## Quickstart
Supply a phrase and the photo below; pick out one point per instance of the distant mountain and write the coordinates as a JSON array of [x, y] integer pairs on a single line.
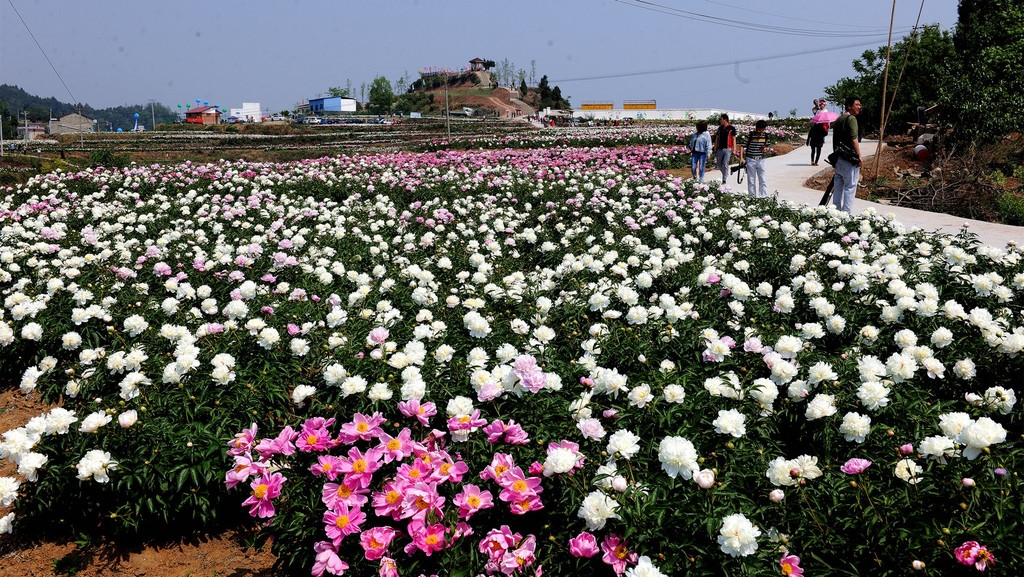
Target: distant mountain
[[14, 100]]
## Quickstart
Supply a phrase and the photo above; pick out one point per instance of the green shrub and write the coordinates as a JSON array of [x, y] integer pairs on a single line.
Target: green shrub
[[1011, 209]]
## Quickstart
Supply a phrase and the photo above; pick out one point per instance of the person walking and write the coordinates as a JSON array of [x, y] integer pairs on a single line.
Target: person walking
[[753, 154], [816, 140], [725, 141], [700, 144], [846, 145]]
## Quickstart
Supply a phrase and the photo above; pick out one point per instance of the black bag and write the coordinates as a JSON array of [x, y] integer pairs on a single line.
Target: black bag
[[846, 152]]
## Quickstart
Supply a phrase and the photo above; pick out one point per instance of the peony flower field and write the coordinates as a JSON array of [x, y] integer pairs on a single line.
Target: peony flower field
[[555, 360]]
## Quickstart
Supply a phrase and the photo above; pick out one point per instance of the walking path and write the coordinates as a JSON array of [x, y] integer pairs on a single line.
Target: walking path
[[787, 173]]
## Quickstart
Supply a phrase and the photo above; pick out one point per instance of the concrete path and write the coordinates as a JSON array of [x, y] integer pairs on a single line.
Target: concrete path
[[787, 173]]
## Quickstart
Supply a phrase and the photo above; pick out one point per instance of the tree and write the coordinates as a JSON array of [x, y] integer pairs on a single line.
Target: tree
[[381, 96], [984, 94], [522, 88], [544, 91], [924, 53], [338, 91], [533, 73]]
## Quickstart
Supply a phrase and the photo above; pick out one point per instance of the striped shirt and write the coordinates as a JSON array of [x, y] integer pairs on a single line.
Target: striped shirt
[[757, 144]]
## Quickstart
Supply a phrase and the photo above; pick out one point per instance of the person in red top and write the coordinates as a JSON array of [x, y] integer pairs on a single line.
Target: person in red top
[[725, 142]]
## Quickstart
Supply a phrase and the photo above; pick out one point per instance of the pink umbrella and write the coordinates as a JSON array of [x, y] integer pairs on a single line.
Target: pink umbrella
[[823, 117]]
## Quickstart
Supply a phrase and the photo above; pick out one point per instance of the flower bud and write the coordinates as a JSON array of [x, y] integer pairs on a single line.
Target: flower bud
[[968, 482], [705, 479], [777, 495], [907, 449], [917, 565], [619, 483]]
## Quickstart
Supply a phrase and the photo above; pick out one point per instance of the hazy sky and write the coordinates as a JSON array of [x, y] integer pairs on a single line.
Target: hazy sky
[[746, 55]]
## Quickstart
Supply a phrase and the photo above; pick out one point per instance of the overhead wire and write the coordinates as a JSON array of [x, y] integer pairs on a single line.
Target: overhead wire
[[713, 64], [832, 32], [52, 67]]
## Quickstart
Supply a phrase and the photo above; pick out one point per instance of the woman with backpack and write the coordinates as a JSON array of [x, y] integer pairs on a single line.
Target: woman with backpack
[[700, 145]]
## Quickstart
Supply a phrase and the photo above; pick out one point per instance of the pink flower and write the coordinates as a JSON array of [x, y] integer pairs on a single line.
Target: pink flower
[[472, 499], [591, 428], [347, 492], [791, 565], [327, 560], [421, 499], [516, 486], [906, 449], [375, 541], [583, 545], [294, 329], [388, 567], [243, 442], [342, 521], [413, 408], [244, 468], [396, 448], [314, 436], [362, 428], [264, 489], [617, 554], [377, 336], [855, 466], [428, 539], [359, 468], [389, 500], [973, 553], [326, 465], [498, 541], [282, 445]]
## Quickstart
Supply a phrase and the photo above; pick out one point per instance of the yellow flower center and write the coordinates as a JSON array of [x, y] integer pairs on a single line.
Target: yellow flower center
[[359, 466], [344, 491], [362, 427], [393, 497], [519, 485], [341, 522], [260, 490], [394, 445], [473, 500], [311, 440]]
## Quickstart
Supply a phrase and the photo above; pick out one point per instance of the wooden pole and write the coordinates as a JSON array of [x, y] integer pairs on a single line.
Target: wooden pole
[[885, 88]]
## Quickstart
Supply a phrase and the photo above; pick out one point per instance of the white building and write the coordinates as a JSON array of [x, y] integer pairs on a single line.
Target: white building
[[249, 112]]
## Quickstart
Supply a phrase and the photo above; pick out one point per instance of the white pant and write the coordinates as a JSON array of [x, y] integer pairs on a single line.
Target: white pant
[[845, 185], [756, 185]]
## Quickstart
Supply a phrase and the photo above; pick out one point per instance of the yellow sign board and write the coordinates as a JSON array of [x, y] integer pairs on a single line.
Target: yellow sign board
[[597, 106]]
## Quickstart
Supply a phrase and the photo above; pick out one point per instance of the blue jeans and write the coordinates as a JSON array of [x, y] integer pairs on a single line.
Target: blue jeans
[[697, 162], [845, 185], [756, 185], [722, 159]]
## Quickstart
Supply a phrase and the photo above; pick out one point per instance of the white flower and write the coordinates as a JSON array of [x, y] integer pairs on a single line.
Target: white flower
[[873, 395], [965, 369], [788, 346], [738, 536], [71, 341], [301, 392], [730, 422], [8, 490], [643, 568], [476, 324], [1001, 399], [32, 332], [95, 464], [821, 372], [353, 385], [674, 393], [380, 392], [822, 405], [908, 470], [29, 464], [7, 523], [94, 421], [979, 434], [596, 509], [560, 460], [460, 407], [640, 395], [623, 442], [953, 424], [678, 457], [59, 421], [942, 337], [937, 447], [268, 337], [299, 347], [855, 427]]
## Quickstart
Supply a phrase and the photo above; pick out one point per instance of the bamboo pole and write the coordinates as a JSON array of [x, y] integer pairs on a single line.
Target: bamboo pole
[[885, 87]]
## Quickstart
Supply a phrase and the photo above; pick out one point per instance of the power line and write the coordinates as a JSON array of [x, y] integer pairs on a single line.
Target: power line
[[711, 64], [755, 26], [52, 67]]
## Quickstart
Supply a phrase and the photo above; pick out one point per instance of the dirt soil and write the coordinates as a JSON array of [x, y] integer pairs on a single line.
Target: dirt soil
[[897, 157], [199, 555]]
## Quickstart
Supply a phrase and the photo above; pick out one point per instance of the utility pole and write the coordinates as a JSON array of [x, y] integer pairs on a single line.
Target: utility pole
[[152, 111], [447, 110]]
